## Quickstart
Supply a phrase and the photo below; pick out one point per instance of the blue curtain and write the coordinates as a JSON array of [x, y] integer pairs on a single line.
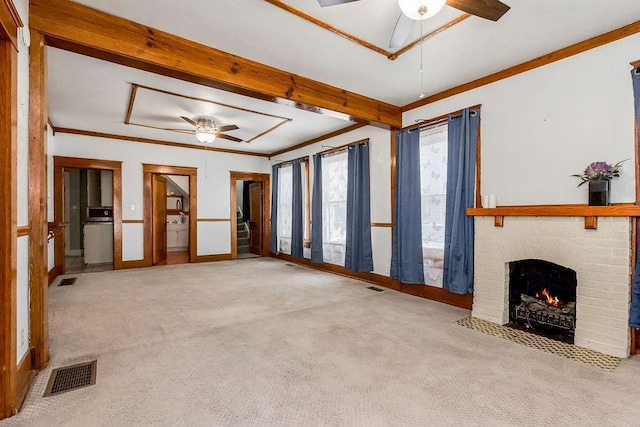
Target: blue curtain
[[316, 210], [406, 250], [297, 237], [358, 251], [634, 318], [273, 240], [459, 228]]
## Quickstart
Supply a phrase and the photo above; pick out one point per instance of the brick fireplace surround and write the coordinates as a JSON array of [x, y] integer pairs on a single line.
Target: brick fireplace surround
[[601, 258]]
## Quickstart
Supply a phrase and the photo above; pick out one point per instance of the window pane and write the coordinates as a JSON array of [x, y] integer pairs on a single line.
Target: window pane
[[433, 186], [334, 207], [285, 194]]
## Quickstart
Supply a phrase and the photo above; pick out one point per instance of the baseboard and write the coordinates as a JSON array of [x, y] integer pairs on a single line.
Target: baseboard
[[24, 378], [53, 273], [427, 292], [212, 258], [139, 263]]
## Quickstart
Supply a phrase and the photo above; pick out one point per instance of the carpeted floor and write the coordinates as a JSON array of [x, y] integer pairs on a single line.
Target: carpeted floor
[[261, 342]]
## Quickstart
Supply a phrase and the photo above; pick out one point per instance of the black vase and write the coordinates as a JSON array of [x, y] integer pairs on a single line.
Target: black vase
[[599, 193]]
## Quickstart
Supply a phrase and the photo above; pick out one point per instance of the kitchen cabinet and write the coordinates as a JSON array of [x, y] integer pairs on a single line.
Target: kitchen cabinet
[[177, 236], [98, 242]]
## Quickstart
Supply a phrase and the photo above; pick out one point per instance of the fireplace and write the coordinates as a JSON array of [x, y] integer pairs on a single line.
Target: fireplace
[[600, 259], [542, 298]]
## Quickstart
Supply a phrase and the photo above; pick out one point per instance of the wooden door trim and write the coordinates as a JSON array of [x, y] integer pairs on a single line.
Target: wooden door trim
[[265, 179], [38, 215], [9, 22], [8, 219], [148, 170], [62, 163]]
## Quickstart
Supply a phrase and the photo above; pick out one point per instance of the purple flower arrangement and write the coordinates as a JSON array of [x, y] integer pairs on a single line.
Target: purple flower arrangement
[[600, 171]]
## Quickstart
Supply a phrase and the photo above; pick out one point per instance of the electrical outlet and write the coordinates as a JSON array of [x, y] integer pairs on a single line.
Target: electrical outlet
[[386, 268], [132, 208]]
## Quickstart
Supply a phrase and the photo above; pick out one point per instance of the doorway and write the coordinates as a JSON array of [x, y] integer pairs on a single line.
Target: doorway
[[170, 215], [170, 202], [88, 201], [250, 223], [88, 215]]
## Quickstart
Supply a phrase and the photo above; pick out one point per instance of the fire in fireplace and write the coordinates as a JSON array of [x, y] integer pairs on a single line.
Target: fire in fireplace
[[542, 298]]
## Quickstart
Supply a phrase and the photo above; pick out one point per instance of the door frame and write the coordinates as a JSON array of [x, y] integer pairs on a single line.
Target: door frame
[[59, 165], [148, 170], [9, 23], [265, 179]]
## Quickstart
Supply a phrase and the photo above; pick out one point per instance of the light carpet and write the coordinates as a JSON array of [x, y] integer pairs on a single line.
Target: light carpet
[[261, 342]]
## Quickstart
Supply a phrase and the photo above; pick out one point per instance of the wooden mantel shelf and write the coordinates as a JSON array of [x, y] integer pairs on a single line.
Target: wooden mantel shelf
[[590, 213]]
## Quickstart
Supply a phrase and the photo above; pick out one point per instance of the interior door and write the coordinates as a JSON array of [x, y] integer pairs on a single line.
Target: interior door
[[255, 218], [159, 214]]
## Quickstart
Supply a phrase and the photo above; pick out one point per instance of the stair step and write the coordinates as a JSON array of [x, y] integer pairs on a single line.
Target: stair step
[[243, 249], [242, 234], [243, 241]]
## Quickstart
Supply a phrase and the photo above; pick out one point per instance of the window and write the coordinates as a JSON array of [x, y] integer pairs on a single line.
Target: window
[[285, 195], [334, 207], [433, 188], [285, 206]]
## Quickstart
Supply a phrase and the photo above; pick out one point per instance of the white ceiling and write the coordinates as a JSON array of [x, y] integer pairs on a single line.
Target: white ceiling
[[260, 31]]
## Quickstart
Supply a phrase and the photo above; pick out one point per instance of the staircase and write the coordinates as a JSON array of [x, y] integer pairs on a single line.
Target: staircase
[[243, 234]]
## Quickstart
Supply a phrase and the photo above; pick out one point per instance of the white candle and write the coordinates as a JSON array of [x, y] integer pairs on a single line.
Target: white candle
[[485, 201], [492, 200]]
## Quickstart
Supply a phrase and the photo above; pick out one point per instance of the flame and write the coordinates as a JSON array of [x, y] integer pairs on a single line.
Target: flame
[[554, 301]]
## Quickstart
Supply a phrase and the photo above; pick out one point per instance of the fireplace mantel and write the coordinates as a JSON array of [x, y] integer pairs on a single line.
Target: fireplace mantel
[[590, 213]]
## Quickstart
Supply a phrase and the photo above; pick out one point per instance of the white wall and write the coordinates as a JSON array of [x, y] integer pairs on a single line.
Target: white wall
[[213, 184], [541, 126], [239, 194], [380, 170], [23, 189]]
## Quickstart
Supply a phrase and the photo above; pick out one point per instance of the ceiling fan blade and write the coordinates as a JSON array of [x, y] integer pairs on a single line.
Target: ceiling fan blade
[[229, 137], [188, 120], [226, 128], [488, 9], [190, 132], [404, 25], [325, 3]]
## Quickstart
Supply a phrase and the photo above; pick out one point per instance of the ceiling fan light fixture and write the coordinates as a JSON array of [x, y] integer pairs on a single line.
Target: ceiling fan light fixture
[[207, 137], [205, 130], [420, 9]]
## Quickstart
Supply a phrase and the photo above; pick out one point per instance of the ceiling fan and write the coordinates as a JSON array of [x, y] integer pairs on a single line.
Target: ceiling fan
[[207, 131], [416, 10]]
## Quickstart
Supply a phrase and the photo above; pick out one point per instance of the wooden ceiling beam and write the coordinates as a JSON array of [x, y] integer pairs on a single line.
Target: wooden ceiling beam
[[77, 28]]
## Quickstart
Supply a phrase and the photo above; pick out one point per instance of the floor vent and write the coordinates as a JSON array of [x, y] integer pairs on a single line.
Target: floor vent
[[68, 282], [373, 288], [71, 378]]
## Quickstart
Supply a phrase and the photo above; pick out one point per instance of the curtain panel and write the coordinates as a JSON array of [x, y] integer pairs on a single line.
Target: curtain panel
[[297, 237], [406, 247], [358, 249], [316, 210], [273, 239], [634, 318], [459, 228]]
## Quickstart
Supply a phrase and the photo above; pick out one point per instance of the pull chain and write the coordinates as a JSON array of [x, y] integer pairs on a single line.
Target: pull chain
[[421, 70]]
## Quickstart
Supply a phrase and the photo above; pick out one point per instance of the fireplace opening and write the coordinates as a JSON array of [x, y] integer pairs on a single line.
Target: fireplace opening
[[542, 299]]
